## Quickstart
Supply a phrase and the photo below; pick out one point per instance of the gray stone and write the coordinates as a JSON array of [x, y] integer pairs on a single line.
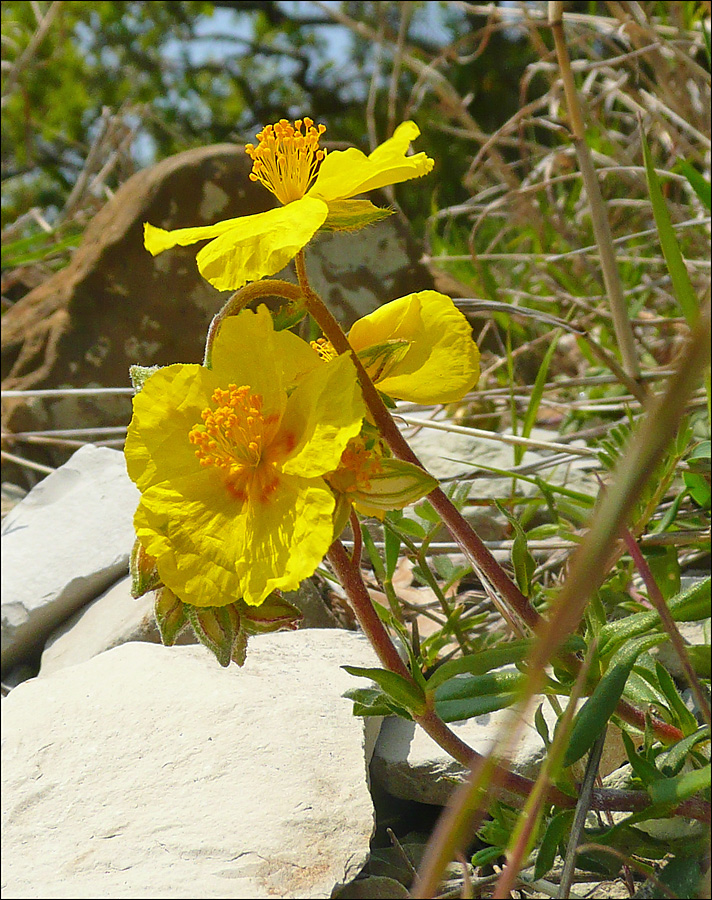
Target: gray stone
[[149, 771], [409, 764], [114, 618], [62, 545]]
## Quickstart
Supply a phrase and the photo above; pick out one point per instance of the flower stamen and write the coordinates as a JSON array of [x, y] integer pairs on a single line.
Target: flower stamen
[[325, 349], [234, 438], [286, 160], [357, 466]]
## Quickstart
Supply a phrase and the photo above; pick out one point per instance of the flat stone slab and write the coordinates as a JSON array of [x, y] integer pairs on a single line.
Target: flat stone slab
[[63, 544], [150, 771]]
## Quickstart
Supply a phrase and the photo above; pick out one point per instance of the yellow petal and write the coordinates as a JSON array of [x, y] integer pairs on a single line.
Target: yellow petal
[[156, 240], [323, 413], [249, 351], [345, 173], [442, 364], [212, 549], [167, 407], [260, 245]]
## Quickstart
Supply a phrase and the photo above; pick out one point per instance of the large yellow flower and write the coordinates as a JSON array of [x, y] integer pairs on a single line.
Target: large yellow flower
[[417, 348], [309, 182], [229, 461]]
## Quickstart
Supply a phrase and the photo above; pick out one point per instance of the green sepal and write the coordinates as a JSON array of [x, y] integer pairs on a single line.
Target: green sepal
[[170, 613], [288, 315], [140, 375], [398, 484], [220, 629], [144, 574], [351, 215], [379, 359], [272, 614]]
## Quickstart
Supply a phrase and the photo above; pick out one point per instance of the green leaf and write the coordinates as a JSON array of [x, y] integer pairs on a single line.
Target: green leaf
[[522, 560], [671, 761], [665, 568], [404, 692], [642, 767], [373, 702], [699, 655], [697, 481], [593, 716], [671, 791], [480, 663], [684, 718], [689, 605], [698, 182], [557, 829], [536, 394], [466, 696], [682, 287]]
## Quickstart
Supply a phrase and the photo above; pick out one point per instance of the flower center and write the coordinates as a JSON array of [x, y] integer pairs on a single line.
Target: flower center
[[234, 438], [285, 160], [325, 349]]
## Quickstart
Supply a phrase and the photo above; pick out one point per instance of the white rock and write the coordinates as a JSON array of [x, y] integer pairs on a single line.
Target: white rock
[[112, 619], [66, 542], [150, 771], [409, 764]]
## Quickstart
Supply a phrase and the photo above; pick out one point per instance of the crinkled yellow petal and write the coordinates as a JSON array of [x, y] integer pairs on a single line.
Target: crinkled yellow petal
[[323, 413], [156, 240], [212, 549], [442, 364], [249, 351], [345, 173], [260, 245], [167, 407]]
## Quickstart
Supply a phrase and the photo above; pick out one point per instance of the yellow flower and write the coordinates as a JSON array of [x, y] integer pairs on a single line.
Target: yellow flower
[[417, 348], [229, 461], [309, 182]]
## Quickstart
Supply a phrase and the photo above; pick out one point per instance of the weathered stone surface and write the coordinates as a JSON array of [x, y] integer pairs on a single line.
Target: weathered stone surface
[[63, 544], [112, 619], [410, 765], [117, 618], [115, 305], [150, 771]]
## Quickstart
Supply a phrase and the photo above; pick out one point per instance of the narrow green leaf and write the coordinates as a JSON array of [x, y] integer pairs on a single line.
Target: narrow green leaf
[[682, 286], [685, 720], [479, 663], [593, 716], [404, 692], [537, 393], [698, 182], [642, 767], [675, 790], [557, 829]]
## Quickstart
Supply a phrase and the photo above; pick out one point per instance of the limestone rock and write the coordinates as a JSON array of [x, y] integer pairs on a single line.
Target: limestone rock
[[410, 765], [63, 544], [149, 771], [112, 619], [115, 305]]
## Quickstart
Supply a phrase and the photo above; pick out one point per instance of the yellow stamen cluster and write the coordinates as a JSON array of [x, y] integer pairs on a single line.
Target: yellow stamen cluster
[[233, 436], [286, 160], [357, 466], [324, 348]]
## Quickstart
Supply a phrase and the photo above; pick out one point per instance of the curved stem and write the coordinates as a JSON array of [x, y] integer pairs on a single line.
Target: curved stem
[[240, 299], [513, 605]]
